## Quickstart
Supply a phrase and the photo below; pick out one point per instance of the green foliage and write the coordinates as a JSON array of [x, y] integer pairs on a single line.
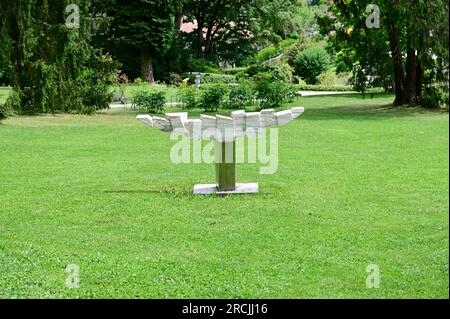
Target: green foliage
[[435, 96], [310, 63], [55, 68], [190, 97], [279, 71], [175, 78], [360, 79], [235, 71], [327, 78], [239, 97], [266, 53], [12, 104], [5, 111], [272, 93], [201, 66], [152, 102], [291, 52], [213, 97], [337, 88], [213, 78], [286, 43]]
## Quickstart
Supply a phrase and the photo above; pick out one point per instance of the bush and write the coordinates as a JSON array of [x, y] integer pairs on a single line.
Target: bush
[[279, 72], [12, 104], [5, 112], [435, 97], [327, 78], [213, 97], [201, 65], [235, 71], [286, 43], [190, 97], [338, 88], [310, 63], [175, 78], [291, 52], [272, 93], [267, 53], [153, 102], [214, 78], [94, 97], [240, 96]]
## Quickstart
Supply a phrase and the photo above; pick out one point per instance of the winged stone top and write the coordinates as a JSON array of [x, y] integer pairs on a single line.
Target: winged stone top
[[222, 128]]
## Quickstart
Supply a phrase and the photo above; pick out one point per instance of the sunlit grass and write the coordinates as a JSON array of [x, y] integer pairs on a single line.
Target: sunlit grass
[[359, 183]]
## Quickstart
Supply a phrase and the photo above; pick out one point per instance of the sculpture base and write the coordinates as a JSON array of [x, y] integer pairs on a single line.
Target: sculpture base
[[211, 189]]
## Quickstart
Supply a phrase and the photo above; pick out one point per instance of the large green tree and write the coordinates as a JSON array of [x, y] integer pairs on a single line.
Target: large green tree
[[235, 27], [412, 38], [144, 28], [53, 65]]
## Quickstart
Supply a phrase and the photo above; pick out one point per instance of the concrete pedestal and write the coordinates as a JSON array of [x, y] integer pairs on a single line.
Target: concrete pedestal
[[212, 189]]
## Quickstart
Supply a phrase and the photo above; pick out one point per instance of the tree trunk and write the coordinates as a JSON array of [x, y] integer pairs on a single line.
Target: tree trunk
[[419, 79], [200, 39], [411, 66], [419, 69], [147, 66], [179, 20], [399, 77]]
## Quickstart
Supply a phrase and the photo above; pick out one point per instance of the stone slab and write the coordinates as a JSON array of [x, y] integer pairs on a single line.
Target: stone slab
[[284, 117], [147, 119], [211, 189]]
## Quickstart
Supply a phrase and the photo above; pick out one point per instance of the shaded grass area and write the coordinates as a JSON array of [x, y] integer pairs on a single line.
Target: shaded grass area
[[358, 183]]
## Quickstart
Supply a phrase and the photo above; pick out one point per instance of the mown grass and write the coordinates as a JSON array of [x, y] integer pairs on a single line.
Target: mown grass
[[359, 183]]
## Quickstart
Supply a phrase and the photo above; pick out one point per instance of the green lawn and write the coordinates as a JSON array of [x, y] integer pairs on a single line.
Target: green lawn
[[358, 183]]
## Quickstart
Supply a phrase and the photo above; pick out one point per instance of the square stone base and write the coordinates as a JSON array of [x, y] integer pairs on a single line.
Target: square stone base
[[211, 189]]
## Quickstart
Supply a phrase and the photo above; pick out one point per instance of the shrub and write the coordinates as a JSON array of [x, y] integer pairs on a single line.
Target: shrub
[[175, 78], [235, 71], [12, 104], [279, 71], [202, 65], [153, 102], [5, 111], [359, 79], [272, 93], [213, 97], [190, 97], [267, 53], [291, 52], [327, 78], [310, 87], [310, 63], [240, 96], [214, 78], [286, 43], [435, 97], [94, 97]]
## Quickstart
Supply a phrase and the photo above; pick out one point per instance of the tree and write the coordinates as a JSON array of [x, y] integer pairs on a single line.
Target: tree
[[143, 26], [231, 29], [413, 34], [54, 69]]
